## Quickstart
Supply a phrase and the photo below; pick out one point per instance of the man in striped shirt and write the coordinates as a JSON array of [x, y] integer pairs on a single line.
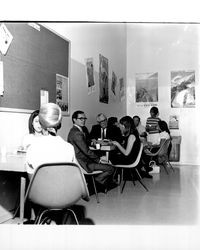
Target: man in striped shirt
[[152, 126]]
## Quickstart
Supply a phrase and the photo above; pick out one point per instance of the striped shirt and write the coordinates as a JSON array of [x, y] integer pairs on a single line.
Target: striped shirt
[[152, 125]]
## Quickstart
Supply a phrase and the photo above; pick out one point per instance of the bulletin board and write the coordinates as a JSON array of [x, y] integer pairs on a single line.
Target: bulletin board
[[33, 59]]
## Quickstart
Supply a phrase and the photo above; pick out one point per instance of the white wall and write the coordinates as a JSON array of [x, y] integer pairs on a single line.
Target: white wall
[[164, 48], [87, 40]]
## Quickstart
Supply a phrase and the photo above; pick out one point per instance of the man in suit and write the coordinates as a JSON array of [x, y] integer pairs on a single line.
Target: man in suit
[[86, 157], [103, 130]]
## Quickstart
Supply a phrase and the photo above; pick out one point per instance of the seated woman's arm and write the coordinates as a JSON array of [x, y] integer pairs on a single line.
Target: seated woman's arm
[[126, 151]]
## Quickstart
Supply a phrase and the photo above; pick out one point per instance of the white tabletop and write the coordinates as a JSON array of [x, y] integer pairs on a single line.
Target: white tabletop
[[13, 162]]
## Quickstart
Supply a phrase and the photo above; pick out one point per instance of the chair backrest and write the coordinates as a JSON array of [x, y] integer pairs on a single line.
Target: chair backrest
[[164, 147], [163, 151], [57, 185], [136, 162]]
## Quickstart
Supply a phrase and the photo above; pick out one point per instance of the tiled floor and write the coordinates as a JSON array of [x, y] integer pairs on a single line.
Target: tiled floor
[[172, 200]]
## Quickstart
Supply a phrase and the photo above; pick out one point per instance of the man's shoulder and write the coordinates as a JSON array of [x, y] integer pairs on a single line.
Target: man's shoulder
[[96, 126]]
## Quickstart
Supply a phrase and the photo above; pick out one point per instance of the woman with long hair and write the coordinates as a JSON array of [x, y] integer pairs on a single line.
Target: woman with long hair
[[127, 152]]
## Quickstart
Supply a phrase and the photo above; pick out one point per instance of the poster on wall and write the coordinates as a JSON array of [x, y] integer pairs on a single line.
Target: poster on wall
[[62, 93], [174, 122], [90, 75], [114, 83], [103, 79], [183, 89], [121, 89], [146, 89]]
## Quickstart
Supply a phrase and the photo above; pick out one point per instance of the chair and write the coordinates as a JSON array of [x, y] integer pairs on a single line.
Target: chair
[[162, 154], [92, 174], [56, 187], [133, 167]]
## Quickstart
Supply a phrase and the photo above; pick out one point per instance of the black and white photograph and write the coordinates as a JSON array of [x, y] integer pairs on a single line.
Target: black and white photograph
[[99, 131]]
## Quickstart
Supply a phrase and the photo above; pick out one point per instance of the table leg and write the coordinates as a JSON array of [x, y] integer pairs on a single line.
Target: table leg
[[22, 195], [107, 156]]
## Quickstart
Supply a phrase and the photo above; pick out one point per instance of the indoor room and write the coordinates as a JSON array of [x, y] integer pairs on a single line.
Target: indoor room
[[147, 65]]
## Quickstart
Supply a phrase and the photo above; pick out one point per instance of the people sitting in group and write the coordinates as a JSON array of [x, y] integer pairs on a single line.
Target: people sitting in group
[[152, 126], [50, 147], [86, 157], [127, 152], [140, 128], [35, 130], [103, 131]]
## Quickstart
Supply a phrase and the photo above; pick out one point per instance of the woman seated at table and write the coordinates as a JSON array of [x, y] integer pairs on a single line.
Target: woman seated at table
[[127, 152], [164, 134], [35, 130], [50, 147]]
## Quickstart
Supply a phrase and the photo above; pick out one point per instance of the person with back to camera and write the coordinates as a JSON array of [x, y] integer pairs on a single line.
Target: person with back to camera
[[152, 126], [164, 134], [128, 151], [35, 130], [86, 157], [50, 147]]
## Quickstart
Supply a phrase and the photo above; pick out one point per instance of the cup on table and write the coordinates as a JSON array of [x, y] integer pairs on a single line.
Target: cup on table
[[97, 146]]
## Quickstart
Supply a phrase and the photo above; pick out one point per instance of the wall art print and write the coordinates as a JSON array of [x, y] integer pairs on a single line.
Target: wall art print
[[103, 79], [183, 89]]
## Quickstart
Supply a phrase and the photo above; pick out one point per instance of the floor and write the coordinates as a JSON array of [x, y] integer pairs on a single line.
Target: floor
[[172, 200]]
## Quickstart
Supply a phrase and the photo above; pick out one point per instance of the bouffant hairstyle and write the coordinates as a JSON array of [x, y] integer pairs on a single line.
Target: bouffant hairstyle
[[50, 116]]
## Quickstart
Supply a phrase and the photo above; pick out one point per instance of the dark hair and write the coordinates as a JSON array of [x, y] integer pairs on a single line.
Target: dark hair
[[154, 110], [75, 114], [163, 126], [112, 120], [136, 116], [30, 121], [128, 123]]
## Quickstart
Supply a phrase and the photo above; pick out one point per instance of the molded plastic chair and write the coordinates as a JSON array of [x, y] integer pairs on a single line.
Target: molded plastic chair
[[162, 154], [57, 186], [92, 174], [133, 166]]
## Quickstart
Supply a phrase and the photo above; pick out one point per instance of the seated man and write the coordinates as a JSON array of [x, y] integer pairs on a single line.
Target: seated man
[[86, 157], [103, 131]]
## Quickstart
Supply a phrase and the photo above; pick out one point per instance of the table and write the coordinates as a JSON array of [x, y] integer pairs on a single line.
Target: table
[[106, 148], [16, 163]]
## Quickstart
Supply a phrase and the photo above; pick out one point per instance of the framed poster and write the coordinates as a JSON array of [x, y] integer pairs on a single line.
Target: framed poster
[[62, 93]]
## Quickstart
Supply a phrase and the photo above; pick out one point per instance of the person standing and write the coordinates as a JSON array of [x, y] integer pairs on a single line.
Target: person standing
[[152, 126]]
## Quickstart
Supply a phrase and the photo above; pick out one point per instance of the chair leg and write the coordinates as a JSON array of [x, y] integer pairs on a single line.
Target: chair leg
[[168, 162], [165, 168], [132, 177], [95, 190], [74, 215], [39, 216], [123, 187], [140, 179]]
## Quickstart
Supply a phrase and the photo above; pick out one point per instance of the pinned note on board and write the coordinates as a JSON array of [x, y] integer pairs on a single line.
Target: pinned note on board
[[5, 39], [1, 79], [44, 96]]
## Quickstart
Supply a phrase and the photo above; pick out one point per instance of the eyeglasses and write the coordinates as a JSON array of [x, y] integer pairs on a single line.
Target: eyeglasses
[[82, 118], [103, 121]]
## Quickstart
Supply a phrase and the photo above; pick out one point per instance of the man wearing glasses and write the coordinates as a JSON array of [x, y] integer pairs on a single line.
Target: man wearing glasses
[[86, 157]]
